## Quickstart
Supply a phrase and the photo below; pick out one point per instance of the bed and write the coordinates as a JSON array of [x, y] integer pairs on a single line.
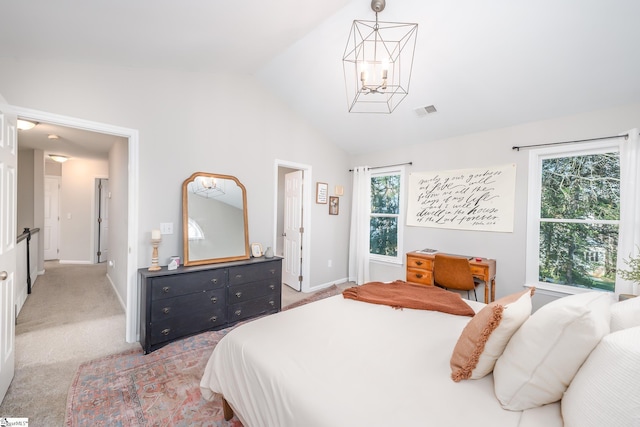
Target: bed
[[340, 361]]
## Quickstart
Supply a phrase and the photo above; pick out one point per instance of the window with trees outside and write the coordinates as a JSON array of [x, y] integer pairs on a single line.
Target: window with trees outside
[[574, 213], [387, 213]]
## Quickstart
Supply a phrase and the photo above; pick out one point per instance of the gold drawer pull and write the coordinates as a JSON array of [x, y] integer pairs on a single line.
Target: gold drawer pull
[[419, 276], [272, 303], [166, 310], [272, 287], [166, 331], [238, 312], [238, 276], [214, 319], [418, 262], [165, 289], [214, 300], [214, 281], [272, 271], [238, 294]]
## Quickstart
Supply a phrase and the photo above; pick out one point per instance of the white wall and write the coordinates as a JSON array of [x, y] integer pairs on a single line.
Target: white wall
[[77, 209], [190, 122], [486, 149]]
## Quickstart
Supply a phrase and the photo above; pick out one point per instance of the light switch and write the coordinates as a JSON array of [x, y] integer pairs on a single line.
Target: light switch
[[166, 228]]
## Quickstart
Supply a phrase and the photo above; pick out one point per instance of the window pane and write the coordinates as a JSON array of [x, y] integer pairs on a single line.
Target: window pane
[[384, 236], [581, 187], [385, 194], [582, 255]]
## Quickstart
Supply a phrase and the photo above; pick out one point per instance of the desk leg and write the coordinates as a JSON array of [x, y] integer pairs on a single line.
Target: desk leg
[[487, 283]]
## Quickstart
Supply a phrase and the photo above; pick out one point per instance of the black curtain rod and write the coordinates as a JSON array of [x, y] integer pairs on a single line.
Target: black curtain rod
[[515, 147], [387, 166]]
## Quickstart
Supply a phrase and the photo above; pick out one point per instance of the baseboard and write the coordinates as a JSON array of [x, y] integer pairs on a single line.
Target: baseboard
[[115, 290], [326, 285], [73, 261]]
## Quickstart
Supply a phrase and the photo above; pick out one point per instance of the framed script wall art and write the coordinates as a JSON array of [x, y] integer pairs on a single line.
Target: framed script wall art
[[322, 190]]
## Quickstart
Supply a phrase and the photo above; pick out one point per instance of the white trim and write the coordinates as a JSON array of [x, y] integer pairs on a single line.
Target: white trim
[[132, 306], [305, 286]]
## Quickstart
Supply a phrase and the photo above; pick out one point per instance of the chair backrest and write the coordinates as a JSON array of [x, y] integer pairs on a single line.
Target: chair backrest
[[452, 272]]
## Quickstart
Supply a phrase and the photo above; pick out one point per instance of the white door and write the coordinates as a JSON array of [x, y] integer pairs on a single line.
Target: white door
[[8, 177], [293, 230], [103, 219], [51, 216]]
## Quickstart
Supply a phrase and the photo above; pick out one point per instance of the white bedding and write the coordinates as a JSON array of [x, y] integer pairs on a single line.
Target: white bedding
[[339, 362]]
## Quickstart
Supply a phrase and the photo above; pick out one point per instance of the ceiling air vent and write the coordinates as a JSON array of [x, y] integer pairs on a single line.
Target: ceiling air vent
[[423, 111]]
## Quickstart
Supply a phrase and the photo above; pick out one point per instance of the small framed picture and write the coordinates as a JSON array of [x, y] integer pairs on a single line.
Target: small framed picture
[[322, 190], [334, 205], [256, 250]]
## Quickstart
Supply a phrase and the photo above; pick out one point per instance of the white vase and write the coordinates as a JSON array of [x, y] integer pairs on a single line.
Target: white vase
[[268, 253]]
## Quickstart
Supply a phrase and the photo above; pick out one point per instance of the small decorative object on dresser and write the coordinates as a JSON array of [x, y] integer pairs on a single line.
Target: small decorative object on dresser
[[189, 300], [268, 253], [256, 250], [156, 237]]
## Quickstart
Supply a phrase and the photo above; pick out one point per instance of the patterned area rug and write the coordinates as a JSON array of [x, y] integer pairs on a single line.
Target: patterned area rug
[[158, 389]]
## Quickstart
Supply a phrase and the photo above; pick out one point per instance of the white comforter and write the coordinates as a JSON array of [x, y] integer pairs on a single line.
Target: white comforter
[[339, 362]]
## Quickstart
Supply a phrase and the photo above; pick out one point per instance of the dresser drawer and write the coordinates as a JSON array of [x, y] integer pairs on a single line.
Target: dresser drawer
[[252, 273], [241, 293], [186, 304], [178, 327], [424, 277], [254, 307], [478, 270], [172, 286], [419, 263]]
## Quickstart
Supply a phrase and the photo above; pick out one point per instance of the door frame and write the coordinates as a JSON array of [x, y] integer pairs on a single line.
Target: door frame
[[306, 216], [131, 302]]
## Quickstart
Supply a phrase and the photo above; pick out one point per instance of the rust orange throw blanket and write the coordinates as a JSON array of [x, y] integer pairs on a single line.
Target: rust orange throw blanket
[[400, 294]]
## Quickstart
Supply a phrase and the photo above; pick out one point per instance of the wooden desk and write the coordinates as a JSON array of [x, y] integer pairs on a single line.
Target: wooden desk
[[420, 270]]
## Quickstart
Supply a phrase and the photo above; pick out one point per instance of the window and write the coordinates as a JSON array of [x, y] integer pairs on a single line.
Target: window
[[387, 213], [574, 216]]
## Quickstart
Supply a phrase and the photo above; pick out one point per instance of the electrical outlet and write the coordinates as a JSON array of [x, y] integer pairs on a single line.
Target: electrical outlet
[[166, 228]]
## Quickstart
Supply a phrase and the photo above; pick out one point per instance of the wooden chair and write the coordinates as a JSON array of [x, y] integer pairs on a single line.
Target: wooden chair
[[454, 272]]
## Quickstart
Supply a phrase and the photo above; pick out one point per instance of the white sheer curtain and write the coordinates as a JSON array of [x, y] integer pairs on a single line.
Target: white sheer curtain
[[359, 238], [629, 232]]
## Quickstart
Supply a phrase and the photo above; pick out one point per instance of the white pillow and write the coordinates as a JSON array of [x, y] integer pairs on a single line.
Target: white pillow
[[542, 357], [606, 389], [486, 335], [625, 314]]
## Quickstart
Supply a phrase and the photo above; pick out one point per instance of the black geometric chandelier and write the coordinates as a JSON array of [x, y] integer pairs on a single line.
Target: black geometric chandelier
[[377, 63]]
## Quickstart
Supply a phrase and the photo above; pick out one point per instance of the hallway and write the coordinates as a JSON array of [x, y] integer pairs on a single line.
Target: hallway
[[71, 316]]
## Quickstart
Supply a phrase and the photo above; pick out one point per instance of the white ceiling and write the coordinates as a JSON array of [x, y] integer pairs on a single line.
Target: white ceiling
[[484, 65]]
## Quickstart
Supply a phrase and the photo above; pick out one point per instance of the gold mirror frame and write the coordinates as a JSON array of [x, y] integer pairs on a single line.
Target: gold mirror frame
[[213, 190]]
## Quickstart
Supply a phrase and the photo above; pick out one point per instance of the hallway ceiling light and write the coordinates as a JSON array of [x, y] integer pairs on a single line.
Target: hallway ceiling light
[[26, 124], [58, 158], [377, 63]]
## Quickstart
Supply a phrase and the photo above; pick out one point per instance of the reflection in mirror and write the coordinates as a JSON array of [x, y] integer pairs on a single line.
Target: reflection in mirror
[[214, 219]]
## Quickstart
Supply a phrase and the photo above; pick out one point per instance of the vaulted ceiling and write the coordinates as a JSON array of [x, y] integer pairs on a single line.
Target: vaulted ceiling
[[484, 65]]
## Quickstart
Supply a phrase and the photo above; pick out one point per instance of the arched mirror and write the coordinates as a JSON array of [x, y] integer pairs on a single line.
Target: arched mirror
[[214, 219]]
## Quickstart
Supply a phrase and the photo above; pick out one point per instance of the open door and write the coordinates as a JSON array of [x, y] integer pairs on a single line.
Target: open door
[[51, 217], [8, 224], [293, 230], [102, 236]]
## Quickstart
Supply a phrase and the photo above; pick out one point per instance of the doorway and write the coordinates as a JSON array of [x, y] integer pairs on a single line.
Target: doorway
[[292, 228], [126, 282], [51, 217]]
